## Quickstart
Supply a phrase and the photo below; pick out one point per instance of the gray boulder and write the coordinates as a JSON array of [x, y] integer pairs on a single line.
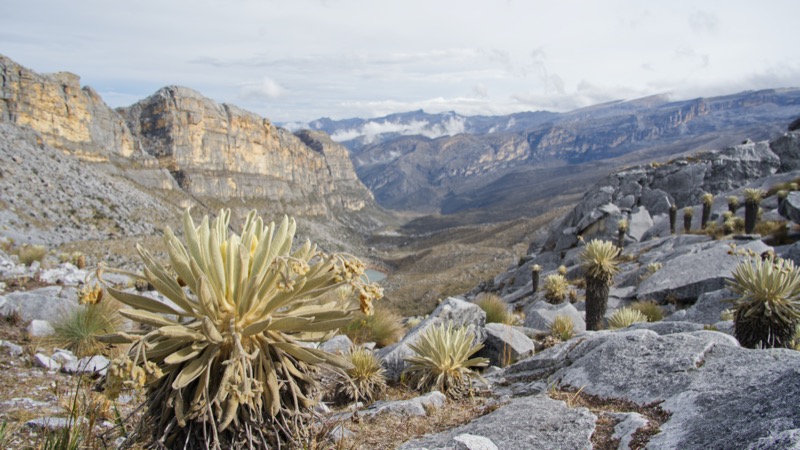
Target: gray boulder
[[97, 364], [40, 328], [338, 344], [48, 303], [709, 306], [541, 314], [416, 406], [471, 442], [505, 344], [45, 361], [665, 327], [791, 206], [719, 395], [704, 267], [640, 221], [454, 310], [525, 423], [787, 148]]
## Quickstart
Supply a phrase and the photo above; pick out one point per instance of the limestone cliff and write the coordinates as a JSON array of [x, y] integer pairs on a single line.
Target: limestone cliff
[[220, 152], [175, 148], [68, 117]]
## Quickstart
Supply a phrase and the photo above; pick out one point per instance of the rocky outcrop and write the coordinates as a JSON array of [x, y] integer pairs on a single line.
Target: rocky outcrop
[[218, 151], [653, 188], [719, 395], [172, 150], [67, 116], [527, 422]]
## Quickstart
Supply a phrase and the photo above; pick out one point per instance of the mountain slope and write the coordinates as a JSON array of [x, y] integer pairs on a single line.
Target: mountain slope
[[176, 148], [485, 168]]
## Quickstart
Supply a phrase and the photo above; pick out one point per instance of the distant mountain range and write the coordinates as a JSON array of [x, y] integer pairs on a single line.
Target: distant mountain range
[[498, 166]]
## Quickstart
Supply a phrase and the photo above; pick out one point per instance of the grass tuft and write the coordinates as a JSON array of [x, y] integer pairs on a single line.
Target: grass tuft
[[77, 331], [495, 308]]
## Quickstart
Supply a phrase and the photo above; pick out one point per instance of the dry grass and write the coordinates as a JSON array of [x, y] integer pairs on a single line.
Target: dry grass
[[384, 327], [495, 308], [389, 431], [430, 267], [601, 407]]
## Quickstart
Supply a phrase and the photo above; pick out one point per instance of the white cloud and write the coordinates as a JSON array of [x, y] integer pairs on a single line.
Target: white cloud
[[372, 129], [702, 22], [266, 89], [349, 58]]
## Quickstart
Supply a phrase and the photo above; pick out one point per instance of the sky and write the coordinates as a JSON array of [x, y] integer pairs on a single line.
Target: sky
[[299, 60]]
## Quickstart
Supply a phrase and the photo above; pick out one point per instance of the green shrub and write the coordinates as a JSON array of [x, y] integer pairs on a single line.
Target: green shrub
[[366, 381], [562, 327], [79, 329], [495, 308], [442, 360], [768, 309], [384, 327], [555, 288], [232, 367], [625, 317], [650, 309]]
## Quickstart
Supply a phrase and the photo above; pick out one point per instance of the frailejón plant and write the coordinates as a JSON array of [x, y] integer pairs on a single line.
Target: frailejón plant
[[442, 360], [223, 366], [768, 309], [556, 288], [600, 264], [365, 381]]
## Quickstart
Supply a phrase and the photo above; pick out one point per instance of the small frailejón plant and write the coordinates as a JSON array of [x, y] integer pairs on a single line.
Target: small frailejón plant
[[733, 204], [752, 199], [556, 288], [442, 360], [366, 381], [622, 228], [688, 213], [536, 270], [625, 317], [600, 264], [673, 217], [708, 200], [562, 328], [768, 309], [223, 366]]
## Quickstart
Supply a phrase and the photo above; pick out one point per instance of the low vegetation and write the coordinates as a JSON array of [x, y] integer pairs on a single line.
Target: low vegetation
[[365, 381], [556, 288], [443, 361], [650, 309], [232, 369], [562, 328], [384, 327], [79, 329], [625, 317], [768, 308], [495, 308]]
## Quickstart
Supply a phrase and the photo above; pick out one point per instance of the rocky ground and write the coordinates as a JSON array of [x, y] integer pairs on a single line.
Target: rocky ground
[[683, 382]]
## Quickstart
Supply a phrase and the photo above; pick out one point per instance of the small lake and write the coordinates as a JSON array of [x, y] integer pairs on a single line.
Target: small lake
[[374, 275]]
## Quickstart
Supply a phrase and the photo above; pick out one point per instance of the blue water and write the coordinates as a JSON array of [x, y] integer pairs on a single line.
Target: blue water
[[374, 275]]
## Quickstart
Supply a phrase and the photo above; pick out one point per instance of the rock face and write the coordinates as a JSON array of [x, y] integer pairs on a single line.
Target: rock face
[[222, 152], [129, 172], [719, 395], [527, 422], [67, 116], [655, 187], [503, 163]]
